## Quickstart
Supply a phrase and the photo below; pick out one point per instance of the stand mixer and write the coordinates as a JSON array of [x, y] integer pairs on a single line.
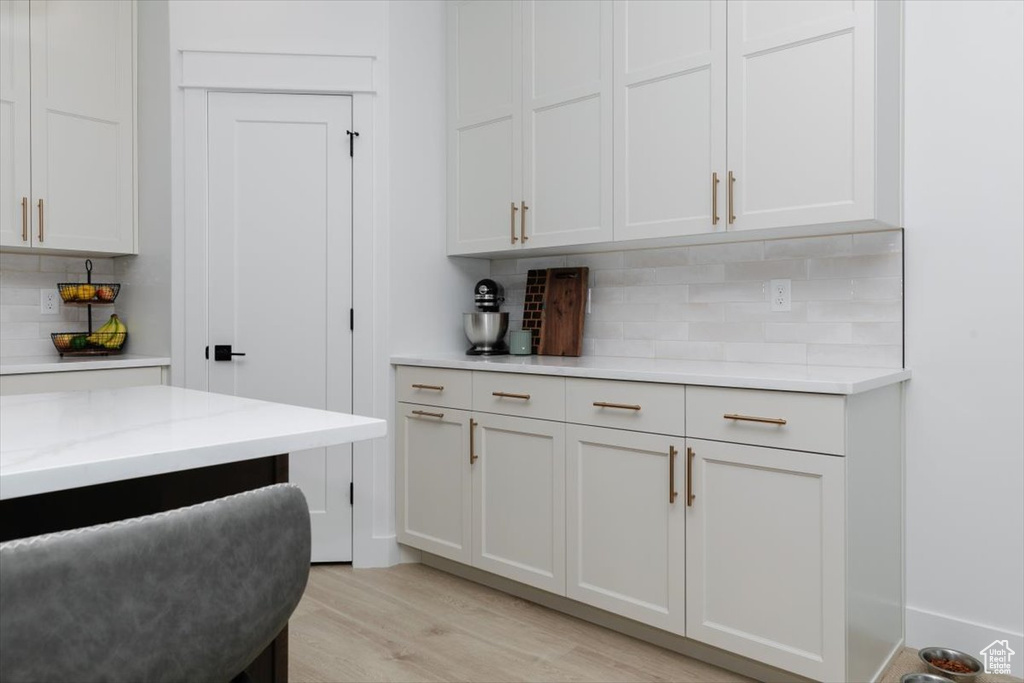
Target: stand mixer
[[486, 328]]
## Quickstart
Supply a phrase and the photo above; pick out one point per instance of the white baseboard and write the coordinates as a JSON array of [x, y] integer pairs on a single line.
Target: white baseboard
[[925, 629], [376, 551]]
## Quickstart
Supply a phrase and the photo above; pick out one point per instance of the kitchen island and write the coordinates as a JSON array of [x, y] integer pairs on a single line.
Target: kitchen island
[[79, 458]]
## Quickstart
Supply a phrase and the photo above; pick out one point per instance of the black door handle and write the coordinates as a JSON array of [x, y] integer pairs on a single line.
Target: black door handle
[[224, 352]]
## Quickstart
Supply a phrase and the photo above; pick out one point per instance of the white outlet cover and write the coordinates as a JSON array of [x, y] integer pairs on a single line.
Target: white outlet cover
[[781, 295], [49, 302]]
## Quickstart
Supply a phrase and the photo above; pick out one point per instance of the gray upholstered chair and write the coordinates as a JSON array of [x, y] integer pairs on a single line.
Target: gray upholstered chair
[[192, 594]]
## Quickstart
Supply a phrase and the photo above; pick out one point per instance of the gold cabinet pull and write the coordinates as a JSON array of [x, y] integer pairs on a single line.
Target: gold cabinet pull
[[431, 387], [424, 413], [504, 394], [689, 477], [40, 220], [714, 198], [522, 222], [732, 187], [513, 221], [24, 219], [620, 406], [754, 418], [472, 446], [672, 474]]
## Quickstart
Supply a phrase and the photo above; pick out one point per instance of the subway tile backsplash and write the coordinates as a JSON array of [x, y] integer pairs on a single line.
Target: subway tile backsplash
[[24, 331], [711, 302]]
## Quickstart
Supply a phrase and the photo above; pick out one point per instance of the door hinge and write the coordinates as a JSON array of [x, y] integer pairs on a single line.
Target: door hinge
[[207, 353], [352, 135], [351, 493], [352, 319]]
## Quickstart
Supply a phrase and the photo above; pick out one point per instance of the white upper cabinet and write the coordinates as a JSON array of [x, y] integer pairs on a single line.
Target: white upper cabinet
[[83, 105], [672, 117], [530, 124], [15, 181], [567, 124], [813, 112], [485, 125], [670, 84]]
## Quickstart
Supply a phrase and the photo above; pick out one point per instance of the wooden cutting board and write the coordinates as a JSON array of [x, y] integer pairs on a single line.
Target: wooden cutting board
[[564, 306]]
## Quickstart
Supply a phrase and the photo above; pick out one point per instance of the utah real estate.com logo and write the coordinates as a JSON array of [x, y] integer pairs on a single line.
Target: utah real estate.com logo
[[997, 657]]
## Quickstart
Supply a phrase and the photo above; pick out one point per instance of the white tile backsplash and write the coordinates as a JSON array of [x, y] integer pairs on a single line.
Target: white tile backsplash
[[711, 302], [24, 331]]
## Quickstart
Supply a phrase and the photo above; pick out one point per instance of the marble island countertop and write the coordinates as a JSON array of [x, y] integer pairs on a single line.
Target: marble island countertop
[[53, 363], [773, 376], [56, 441]]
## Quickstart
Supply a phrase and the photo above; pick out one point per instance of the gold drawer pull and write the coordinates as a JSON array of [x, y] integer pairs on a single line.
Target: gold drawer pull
[[472, 445], [753, 418], [503, 394], [514, 209], [424, 413], [621, 406], [689, 477], [24, 219], [432, 387], [672, 474]]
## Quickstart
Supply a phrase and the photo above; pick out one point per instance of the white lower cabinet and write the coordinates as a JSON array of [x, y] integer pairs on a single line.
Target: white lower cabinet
[[519, 500], [433, 481], [687, 509], [765, 556], [626, 524]]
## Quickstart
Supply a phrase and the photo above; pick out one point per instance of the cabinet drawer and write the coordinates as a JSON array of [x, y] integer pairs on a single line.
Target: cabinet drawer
[[643, 407], [780, 419], [523, 395], [434, 386]]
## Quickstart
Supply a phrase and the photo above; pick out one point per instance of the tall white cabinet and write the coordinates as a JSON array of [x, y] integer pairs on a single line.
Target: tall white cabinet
[[68, 102], [814, 113], [530, 124], [670, 116], [575, 122]]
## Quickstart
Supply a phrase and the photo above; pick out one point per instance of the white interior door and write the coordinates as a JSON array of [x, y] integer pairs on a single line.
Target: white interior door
[[83, 105], [669, 117], [280, 275], [14, 124]]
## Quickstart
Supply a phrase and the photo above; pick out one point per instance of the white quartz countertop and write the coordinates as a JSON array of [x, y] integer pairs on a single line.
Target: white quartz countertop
[[56, 441], [813, 379], [33, 364]]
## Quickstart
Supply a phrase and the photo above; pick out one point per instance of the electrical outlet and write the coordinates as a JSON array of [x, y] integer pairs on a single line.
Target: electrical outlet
[[49, 302], [781, 293]]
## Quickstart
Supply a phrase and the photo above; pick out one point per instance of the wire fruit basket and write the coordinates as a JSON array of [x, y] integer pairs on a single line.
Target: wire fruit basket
[[88, 344], [88, 292], [108, 339]]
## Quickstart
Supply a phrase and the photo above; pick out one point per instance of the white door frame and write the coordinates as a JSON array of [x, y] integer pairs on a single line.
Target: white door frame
[[356, 76]]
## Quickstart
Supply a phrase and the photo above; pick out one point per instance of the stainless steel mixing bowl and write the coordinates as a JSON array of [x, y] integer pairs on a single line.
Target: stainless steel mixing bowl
[[485, 330]]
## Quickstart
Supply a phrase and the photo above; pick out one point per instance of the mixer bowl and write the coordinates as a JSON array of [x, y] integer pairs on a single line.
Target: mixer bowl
[[485, 330]]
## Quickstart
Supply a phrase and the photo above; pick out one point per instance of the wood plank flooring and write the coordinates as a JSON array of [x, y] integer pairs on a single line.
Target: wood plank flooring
[[415, 623]]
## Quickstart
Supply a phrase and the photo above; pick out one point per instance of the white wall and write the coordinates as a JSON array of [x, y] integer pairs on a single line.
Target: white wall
[[428, 291], [964, 174], [413, 282], [145, 297]]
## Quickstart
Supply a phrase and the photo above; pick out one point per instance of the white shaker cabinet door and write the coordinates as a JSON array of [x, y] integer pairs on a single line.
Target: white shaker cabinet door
[[801, 122], [519, 500], [15, 182], [626, 524], [83, 124], [765, 569], [567, 122], [484, 125], [670, 118], [432, 480]]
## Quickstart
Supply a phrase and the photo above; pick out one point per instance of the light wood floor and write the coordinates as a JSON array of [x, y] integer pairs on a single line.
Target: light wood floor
[[415, 623]]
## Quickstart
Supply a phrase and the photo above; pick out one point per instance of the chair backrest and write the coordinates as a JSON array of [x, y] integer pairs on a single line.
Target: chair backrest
[[192, 594]]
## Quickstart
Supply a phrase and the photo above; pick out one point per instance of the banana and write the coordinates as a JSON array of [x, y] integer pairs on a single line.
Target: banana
[[111, 335]]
